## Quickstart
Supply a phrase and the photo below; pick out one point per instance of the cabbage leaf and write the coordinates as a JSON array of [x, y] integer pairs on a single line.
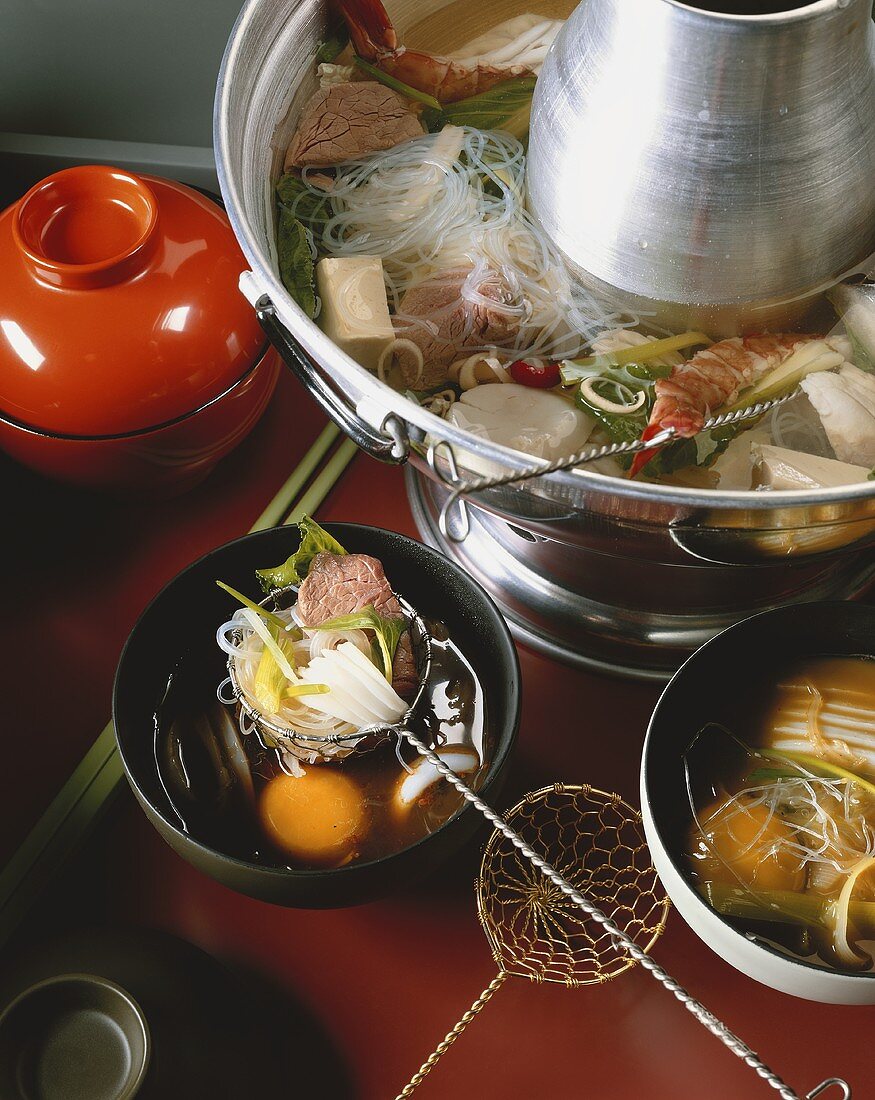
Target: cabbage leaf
[[295, 256], [506, 106], [311, 209], [314, 540]]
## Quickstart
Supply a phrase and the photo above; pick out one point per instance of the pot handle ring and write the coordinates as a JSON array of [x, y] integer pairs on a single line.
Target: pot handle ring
[[390, 444]]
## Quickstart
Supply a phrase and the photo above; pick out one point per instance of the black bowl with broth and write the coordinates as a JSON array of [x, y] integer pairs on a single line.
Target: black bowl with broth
[[725, 682], [158, 649]]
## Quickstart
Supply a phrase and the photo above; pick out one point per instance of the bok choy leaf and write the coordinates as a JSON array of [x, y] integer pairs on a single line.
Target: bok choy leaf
[[314, 540], [295, 257], [311, 210], [301, 220], [507, 106]]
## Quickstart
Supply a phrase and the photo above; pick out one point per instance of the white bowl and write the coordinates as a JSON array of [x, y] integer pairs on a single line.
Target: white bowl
[[724, 664]]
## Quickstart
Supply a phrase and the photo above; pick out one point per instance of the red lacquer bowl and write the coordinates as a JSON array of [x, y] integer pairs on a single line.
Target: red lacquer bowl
[[128, 357]]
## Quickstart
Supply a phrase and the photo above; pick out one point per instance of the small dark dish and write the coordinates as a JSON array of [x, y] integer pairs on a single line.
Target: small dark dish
[[706, 684], [435, 586], [74, 1037]]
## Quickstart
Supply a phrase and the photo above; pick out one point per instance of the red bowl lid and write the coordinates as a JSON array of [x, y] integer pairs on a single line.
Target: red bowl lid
[[120, 306]]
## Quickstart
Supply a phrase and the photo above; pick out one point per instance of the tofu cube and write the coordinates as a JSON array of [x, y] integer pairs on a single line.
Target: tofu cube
[[778, 468], [355, 312]]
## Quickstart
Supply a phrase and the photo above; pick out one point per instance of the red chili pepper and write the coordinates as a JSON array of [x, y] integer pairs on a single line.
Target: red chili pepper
[[643, 457], [542, 374]]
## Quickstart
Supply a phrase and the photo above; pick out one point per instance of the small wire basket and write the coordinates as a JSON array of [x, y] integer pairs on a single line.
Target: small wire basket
[[312, 748]]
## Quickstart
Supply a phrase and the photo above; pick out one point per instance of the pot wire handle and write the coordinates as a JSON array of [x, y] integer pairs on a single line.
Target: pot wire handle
[[449, 475], [391, 444], [459, 489], [827, 1084]]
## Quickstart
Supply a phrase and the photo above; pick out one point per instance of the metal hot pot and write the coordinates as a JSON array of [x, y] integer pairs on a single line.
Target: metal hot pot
[[596, 570]]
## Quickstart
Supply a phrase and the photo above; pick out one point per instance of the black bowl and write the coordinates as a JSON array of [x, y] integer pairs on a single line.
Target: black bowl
[[713, 685], [435, 586]]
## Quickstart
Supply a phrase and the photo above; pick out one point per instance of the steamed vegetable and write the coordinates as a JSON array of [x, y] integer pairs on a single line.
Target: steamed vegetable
[[295, 257], [272, 683], [387, 632], [632, 385], [311, 208], [784, 907], [639, 353], [314, 540], [358, 693], [507, 106], [808, 762], [301, 217]]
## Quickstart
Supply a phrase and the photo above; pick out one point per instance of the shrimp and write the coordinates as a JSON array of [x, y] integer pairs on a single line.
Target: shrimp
[[713, 377], [374, 40]]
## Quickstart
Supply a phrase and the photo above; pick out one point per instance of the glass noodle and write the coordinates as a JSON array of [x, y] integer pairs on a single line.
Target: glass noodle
[[456, 200]]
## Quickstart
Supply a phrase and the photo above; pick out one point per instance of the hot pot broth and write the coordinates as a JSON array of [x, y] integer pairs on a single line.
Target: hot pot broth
[[233, 787], [782, 842], [403, 229]]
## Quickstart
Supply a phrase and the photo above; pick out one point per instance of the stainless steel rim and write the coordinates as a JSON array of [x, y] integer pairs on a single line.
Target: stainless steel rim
[[382, 401]]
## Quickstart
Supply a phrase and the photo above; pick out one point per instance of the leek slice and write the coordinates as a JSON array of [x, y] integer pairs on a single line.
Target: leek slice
[[268, 616], [397, 85], [639, 353], [784, 907], [809, 359], [387, 632], [817, 765]]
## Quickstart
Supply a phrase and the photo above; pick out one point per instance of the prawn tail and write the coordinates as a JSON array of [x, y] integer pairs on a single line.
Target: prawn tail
[[643, 457], [370, 28]]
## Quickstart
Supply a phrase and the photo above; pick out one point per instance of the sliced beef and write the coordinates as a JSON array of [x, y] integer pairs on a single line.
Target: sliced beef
[[347, 121], [343, 584], [444, 325], [405, 679], [340, 584]]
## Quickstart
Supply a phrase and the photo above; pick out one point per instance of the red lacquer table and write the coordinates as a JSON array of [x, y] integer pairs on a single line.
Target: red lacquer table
[[383, 983]]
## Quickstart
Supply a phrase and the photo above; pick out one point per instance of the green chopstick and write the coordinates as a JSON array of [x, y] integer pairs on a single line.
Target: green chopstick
[[324, 483], [68, 819], [77, 807], [275, 511]]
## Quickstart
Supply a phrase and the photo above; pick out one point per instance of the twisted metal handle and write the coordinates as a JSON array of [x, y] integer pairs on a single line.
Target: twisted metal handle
[[706, 1018], [460, 489], [450, 1038]]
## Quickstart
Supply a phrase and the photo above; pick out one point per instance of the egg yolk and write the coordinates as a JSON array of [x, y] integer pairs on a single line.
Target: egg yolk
[[754, 846], [316, 818]]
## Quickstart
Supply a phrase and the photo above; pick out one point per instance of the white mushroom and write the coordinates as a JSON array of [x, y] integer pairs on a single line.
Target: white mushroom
[[462, 759], [537, 422]]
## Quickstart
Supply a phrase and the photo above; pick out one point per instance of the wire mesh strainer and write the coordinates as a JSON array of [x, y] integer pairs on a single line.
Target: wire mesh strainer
[[312, 748]]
